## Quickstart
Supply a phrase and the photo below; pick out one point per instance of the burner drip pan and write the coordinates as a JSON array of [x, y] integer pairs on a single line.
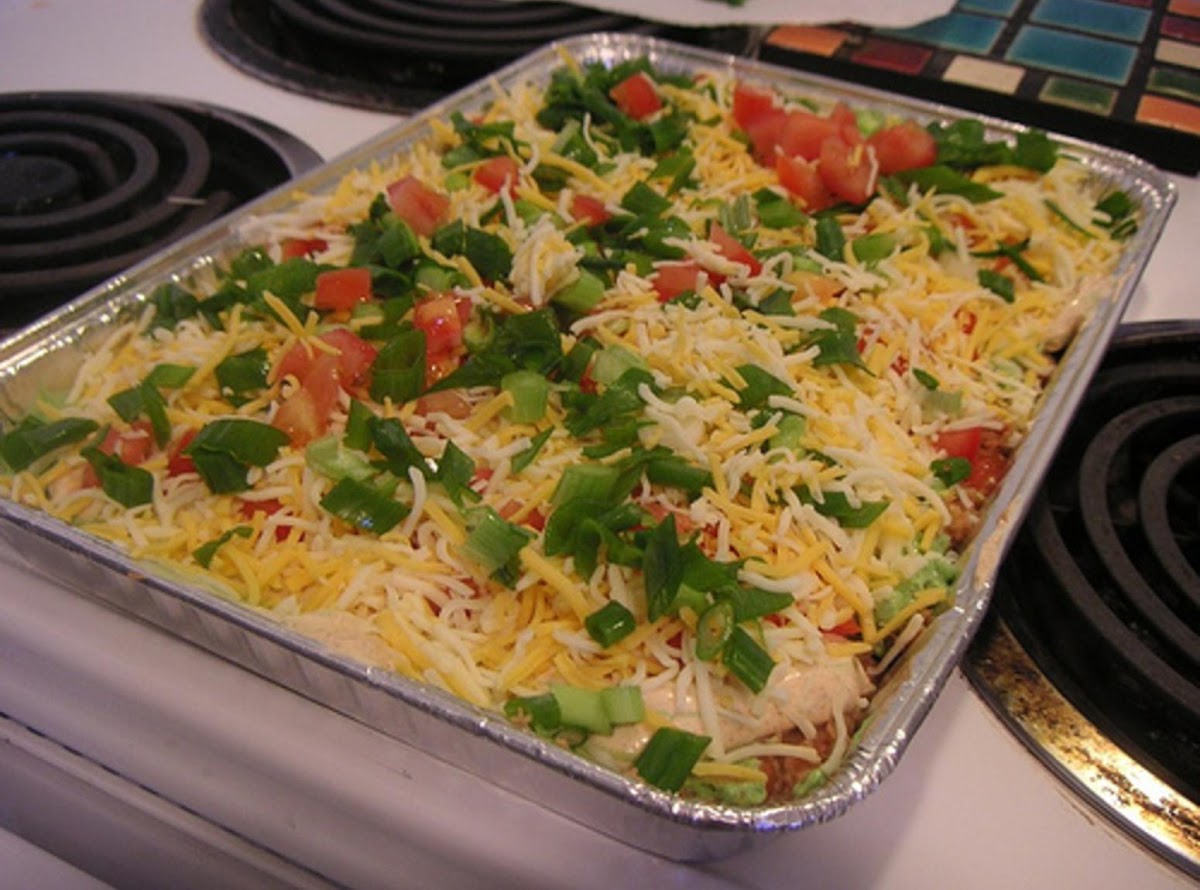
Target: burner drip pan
[[401, 56], [91, 183], [1092, 652]]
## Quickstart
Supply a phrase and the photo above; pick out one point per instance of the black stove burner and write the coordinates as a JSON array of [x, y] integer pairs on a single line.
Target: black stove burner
[[1102, 586], [91, 183], [394, 55]]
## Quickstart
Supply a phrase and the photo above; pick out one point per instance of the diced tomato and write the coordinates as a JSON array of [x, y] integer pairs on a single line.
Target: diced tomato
[[848, 628], [417, 204], [636, 96], [801, 179], [959, 443], [846, 170], [732, 249], [446, 401], [966, 321], [750, 104], [179, 463], [304, 413], [987, 471], [355, 356], [903, 146], [438, 317], [293, 248], [804, 132], [343, 288], [670, 280], [843, 115], [498, 174], [765, 133], [590, 211], [270, 507]]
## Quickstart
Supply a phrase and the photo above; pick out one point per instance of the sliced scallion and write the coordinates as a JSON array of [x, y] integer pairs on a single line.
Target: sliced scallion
[[494, 543], [364, 506], [669, 757], [530, 392], [713, 630], [747, 660], [582, 707], [623, 704], [610, 624]]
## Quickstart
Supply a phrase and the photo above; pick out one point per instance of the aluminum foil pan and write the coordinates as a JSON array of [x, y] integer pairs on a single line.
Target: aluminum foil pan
[[46, 355]]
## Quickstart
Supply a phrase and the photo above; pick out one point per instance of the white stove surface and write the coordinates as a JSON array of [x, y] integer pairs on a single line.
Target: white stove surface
[[211, 776]]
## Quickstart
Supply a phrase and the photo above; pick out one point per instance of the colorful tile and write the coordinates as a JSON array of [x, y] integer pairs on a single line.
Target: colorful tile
[[1174, 82], [957, 31], [1180, 28], [1094, 17], [1175, 53], [905, 58], [984, 73], [1075, 54], [1002, 8], [1169, 113], [1081, 94], [818, 41], [1185, 7]]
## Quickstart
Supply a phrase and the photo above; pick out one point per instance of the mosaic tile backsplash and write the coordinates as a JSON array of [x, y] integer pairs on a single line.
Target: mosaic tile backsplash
[[1124, 73]]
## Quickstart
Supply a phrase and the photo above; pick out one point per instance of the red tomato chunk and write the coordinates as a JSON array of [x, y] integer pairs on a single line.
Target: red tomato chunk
[[418, 205], [636, 96]]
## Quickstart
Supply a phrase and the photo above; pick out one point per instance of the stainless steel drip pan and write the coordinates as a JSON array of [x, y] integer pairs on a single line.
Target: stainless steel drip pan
[[45, 356]]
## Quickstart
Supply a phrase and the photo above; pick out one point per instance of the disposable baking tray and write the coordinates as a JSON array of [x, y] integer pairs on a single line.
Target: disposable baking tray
[[45, 356]]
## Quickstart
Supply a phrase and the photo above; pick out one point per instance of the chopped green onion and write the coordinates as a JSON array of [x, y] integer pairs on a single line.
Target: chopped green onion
[[610, 624], [642, 200], [205, 552], [926, 379], [610, 363], [398, 372], [713, 630], [831, 240], [836, 505], [530, 392], [224, 450], [999, 284], [333, 460], [33, 438], [623, 704], [747, 660], [494, 542], [789, 433], [669, 757], [951, 470], [754, 602], [524, 458], [128, 486], [675, 472], [455, 471], [585, 482], [393, 442], [364, 506], [662, 567], [242, 373], [760, 386], [872, 248], [358, 427], [540, 710], [582, 707], [581, 295]]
